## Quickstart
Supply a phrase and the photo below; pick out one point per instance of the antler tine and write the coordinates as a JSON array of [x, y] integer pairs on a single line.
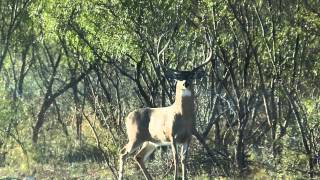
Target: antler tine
[[163, 49], [208, 59], [159, 52]]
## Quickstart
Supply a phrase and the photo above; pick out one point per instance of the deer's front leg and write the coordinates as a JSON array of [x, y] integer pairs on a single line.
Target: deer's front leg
[[175, 158], [184, 156]]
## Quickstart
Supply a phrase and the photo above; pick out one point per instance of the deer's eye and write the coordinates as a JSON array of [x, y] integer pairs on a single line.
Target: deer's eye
[[186, 84]]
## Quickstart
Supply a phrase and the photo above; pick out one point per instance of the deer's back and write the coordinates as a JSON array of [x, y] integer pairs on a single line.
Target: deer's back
[[158, 125]]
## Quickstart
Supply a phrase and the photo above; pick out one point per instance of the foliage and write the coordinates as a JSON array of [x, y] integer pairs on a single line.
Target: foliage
[[70, 71]]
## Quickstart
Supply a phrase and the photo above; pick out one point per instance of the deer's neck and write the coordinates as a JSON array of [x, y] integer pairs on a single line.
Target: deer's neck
[[184, 102]]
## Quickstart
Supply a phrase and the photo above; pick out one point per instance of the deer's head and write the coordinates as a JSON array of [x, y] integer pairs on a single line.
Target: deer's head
[[184, 79]]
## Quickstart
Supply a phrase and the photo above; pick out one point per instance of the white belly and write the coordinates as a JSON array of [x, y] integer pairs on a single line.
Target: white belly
[[161, 144]]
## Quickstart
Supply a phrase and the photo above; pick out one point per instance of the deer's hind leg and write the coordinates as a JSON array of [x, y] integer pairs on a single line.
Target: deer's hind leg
[[142, 156], [124, 153]]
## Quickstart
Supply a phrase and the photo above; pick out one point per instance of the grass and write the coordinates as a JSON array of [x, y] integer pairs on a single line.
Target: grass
[[83, 170], [80, 170]]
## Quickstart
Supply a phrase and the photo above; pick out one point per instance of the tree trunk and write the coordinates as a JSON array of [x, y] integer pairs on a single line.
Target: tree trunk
[[40, 119]]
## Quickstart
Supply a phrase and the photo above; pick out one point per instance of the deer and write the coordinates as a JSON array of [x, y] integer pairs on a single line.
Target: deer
[[149, 128]]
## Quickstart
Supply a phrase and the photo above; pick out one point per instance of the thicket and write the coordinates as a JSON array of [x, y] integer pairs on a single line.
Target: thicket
[[70, 71]]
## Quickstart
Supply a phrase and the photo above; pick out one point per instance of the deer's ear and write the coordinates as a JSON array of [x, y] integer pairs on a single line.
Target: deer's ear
[[179, 75], [171, 74], [199, 74]]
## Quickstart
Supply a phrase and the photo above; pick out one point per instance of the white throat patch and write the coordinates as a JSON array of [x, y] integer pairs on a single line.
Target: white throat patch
[[186, 92]]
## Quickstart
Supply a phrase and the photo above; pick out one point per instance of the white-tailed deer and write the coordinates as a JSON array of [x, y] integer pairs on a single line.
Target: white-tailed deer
[[149, 128]]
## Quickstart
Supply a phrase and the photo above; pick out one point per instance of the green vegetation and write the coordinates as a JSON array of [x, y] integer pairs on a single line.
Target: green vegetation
[[70, 71]]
